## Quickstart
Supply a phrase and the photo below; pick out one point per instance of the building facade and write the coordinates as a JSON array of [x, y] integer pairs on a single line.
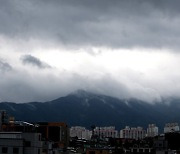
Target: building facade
[[58, 132], [106, 132], [80, 132], [20, 143], [171, 127], [152, 130], [132, 133]]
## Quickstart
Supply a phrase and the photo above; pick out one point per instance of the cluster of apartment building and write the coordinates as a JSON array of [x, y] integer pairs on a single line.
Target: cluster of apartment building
[[20, 137], [133, 133], [126, 133], [80, 132], [128, 140]]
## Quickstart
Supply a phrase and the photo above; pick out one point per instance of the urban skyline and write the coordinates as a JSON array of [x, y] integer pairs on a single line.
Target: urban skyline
[[20, 137]]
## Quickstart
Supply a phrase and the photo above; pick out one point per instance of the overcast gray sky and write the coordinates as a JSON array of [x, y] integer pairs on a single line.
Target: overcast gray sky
[[121, 48]]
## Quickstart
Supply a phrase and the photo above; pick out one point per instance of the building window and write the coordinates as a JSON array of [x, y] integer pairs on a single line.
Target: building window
[[134, 150], [39, 137], [4, 150], [141, 150], [27, 143], [15, 150]]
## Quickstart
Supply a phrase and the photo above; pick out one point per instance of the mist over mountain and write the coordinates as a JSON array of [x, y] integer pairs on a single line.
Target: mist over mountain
[[84, 109]]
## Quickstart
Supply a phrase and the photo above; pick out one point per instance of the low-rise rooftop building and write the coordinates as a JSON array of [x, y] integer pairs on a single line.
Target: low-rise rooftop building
[[20, 143]]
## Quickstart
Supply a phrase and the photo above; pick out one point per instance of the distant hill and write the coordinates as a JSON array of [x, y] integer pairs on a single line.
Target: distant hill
[[84, 109]]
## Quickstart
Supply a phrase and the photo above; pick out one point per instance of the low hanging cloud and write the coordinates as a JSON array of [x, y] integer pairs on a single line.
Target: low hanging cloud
[[23, 86], [31, 60]]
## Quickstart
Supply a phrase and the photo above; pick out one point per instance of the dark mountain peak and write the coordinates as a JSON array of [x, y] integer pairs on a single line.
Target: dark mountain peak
[[87, 108], [83, 94], [76, 96]]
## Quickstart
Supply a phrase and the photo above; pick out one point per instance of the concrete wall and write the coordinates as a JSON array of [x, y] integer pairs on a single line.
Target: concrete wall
[[11, 144]]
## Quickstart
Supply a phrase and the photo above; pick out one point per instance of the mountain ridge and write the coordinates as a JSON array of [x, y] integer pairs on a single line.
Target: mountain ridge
[[84, 109]]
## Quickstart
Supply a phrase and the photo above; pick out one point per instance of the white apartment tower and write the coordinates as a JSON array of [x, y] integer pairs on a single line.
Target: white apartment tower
[[80, 132], [132, 133], [105, 132], [171, 127], [152, 130]]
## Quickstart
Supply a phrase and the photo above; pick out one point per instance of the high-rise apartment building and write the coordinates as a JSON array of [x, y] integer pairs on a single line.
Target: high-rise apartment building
[[171, 127], [132, 133], [152, 130], [80, 132], [104, 132]]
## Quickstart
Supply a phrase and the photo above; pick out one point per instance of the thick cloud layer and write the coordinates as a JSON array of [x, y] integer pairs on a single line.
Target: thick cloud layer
[[117, 23], [121, 48]]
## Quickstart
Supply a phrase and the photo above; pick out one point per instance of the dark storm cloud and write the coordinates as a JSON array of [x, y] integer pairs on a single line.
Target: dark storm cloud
[[4, 66], [116, 23], [31, 60]]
